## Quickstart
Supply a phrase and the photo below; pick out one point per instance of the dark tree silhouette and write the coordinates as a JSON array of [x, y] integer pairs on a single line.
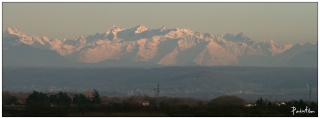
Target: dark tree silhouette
[[80, 99], [60, 99], [301, 103], [63, 99], [227, 101], [96, 97], [37, 104], [269, 104], [260, 102], [53, 99], [37, 99]]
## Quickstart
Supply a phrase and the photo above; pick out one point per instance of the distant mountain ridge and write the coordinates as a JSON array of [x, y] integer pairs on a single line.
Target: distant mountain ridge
[[155, 47]]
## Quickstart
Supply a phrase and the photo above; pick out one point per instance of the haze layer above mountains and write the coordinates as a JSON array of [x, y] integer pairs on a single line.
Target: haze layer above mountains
[[143, 47]]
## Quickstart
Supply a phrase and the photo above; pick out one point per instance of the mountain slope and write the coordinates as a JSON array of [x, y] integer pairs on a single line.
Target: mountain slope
[[16, 53], [162, 46], [24, 55], [300, 55]]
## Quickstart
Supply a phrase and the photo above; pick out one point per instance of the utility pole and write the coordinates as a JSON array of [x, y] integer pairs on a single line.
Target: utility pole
[[308, 86], [309, 94], [157, 92]]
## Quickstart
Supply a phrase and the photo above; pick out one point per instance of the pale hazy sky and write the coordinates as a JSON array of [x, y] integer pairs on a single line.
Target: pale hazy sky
[[281, 22]]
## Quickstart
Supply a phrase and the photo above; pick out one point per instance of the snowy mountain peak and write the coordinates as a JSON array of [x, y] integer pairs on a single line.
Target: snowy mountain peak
[[12, 30], [140, 28], [185, 31], [113, 31], [163, 28], [269, 41], [141, 44], [208, 35]]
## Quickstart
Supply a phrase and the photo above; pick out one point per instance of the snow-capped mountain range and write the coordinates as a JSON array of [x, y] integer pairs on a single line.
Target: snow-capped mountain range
[[158, 47]]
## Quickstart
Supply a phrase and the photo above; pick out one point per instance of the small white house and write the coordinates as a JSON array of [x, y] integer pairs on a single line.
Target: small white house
[[145, 103], [281, 103], [250, 105]]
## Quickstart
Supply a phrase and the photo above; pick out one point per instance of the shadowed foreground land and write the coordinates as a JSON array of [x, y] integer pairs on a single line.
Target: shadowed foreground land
[[61, 104]]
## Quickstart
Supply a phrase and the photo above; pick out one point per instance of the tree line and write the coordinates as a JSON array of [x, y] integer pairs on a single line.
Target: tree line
[[63, 104], [61, 99]]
